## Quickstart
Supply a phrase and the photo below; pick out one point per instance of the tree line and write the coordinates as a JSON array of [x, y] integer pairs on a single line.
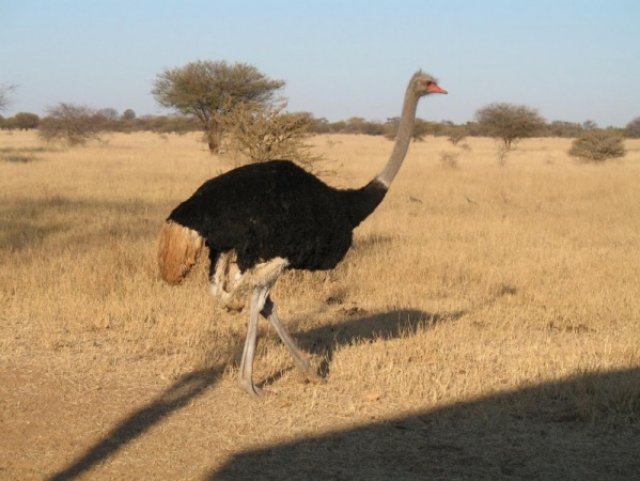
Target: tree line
[[109, 120], [240, 105]]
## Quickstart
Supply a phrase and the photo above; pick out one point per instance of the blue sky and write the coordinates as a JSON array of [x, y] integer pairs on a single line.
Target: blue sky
[[571, 60]]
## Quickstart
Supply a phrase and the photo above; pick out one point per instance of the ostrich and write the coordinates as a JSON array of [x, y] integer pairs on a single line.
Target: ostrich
[[260, 219]]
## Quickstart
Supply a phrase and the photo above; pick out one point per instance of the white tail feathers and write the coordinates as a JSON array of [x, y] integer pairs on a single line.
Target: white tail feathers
[[178, 250]]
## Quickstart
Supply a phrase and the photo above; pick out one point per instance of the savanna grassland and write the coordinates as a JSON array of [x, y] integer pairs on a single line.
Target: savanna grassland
[[485, 325]]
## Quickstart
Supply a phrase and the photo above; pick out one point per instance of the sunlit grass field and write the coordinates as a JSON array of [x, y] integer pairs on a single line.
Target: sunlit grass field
[[467, 283]]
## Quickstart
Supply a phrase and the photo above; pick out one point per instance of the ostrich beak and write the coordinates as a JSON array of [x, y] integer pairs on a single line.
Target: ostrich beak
[[433, 88]]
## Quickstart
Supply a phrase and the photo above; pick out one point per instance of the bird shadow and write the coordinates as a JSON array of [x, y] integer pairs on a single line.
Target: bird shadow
[[358, 326], [322, 341], [175, 397], [540, 431]]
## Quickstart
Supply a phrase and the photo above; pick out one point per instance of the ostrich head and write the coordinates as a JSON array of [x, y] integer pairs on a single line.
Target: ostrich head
[[422, 84]]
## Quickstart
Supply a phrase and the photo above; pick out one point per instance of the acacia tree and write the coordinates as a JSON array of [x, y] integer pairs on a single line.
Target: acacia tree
[[509, 123], [208, 90]]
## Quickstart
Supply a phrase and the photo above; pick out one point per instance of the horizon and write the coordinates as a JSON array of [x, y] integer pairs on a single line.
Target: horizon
[[570, 62]]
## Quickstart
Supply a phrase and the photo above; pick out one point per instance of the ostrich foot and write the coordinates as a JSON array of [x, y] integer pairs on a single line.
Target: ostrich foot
[[248, 386], [256, 391], [309, 371]]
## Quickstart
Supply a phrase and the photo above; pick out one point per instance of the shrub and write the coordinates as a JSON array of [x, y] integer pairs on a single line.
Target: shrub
[[633, 129], [560, 128], [25, 120], [21, 120], [456, 134], [261, 133], [421, 129], [598, 145], [129, 115], [71, 124]]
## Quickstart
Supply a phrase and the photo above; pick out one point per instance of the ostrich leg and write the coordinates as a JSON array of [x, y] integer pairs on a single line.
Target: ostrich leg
[[245, 379], [262, 277], [300, 358]]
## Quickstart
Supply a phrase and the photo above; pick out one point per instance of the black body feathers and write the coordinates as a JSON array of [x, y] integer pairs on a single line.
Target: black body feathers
[[277, 209]]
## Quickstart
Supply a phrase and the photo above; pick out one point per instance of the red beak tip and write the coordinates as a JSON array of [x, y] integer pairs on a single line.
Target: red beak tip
[[436, 89]]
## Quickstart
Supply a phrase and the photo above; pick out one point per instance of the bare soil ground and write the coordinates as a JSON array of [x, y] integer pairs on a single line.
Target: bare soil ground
[[485, 324]]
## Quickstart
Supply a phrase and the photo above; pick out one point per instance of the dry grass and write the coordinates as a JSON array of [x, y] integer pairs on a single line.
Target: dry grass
[[482, 311]]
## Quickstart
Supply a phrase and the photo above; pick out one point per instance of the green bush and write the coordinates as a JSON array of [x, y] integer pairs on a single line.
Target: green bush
[[598, 146]]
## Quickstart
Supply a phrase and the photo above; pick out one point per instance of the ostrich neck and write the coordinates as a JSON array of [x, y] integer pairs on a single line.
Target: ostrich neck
[[362, 202], [403, 138]]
